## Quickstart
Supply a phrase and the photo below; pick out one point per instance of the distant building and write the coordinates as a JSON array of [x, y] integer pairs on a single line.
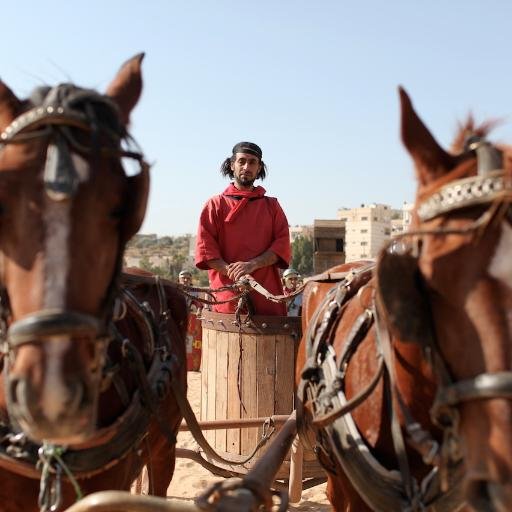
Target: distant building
[[328, 244], [370, 226], [401, 219]]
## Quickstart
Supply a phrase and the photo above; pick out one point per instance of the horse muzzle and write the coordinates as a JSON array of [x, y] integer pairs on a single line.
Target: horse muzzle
[[53, 383]]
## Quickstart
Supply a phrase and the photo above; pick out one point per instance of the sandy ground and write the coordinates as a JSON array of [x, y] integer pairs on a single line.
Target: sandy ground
[[191, 479]]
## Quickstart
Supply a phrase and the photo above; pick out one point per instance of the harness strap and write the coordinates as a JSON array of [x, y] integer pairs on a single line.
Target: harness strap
[[197, 433], [321, 421], [483, 386], [135, 359], [384, 342]]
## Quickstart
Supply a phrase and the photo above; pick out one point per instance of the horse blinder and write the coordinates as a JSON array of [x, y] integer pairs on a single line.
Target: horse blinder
[[401, 292]]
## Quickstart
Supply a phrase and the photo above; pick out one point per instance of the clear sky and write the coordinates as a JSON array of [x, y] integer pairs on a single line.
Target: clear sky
[[314, 83]]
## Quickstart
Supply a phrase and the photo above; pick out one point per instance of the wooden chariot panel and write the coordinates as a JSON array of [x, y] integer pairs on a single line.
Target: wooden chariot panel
[[247, 373]]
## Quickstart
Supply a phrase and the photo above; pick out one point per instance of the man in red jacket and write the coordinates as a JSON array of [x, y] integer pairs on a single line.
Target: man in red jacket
[[242, 231]]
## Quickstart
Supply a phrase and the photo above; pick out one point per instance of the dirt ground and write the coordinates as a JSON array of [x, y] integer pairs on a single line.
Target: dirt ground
[[191, 479]]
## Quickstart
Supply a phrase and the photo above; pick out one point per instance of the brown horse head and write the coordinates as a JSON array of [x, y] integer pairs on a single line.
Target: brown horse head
[[67, 208], [463, 244]]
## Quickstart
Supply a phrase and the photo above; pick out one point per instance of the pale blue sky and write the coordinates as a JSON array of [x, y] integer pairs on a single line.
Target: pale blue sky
[[312, 82]]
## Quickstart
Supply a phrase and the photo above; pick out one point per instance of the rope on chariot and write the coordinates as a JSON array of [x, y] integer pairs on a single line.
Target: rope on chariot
[[189, 290]]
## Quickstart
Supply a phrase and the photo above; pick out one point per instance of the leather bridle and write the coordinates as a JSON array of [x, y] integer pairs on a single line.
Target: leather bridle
[[56, 119]]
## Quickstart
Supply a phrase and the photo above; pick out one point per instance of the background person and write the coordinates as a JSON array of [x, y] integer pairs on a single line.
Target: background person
[[291, 282], [185, 279]]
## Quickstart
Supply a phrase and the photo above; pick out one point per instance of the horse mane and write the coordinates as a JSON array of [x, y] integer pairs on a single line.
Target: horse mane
[[470, 128], [100, 110]]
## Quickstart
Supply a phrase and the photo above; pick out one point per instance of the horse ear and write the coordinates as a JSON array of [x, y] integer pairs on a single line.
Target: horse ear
[[10, 106], [402, 294], [431, 160], [136, 202], [126, 87]]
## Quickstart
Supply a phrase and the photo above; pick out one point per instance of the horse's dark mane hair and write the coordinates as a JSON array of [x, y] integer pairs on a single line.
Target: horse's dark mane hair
[[99, 109], [470, 128]]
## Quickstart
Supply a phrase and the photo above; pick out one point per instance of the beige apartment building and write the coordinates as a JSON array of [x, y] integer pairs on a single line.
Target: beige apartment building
[[401, 219], [370, 226], [366, 230]]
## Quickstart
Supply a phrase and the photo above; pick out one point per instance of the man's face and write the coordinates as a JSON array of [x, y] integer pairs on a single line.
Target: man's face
[[246, 168], [185, 280], [291, 282]]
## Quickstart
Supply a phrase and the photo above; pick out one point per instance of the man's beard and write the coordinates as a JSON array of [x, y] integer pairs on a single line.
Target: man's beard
[[244, 182]]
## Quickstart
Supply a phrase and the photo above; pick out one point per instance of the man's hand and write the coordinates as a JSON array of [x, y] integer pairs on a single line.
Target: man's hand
[[239, 269]]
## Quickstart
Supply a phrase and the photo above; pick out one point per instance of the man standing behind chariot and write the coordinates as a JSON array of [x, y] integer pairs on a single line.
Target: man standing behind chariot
[[242, 231], [291, 284]]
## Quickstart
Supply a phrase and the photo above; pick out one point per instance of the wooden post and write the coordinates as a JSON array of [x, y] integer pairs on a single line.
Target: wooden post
[[295, 482]]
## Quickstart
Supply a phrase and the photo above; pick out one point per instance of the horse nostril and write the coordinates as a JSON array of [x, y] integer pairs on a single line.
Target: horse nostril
[[18, 392], [17, 386], [76, 397]]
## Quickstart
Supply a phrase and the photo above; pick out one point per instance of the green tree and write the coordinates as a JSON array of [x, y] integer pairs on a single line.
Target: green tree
[[176, 264], [302, 255], [145, 264]]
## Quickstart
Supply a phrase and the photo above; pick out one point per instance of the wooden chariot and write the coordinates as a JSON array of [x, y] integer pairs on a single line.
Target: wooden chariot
[[248, 372]]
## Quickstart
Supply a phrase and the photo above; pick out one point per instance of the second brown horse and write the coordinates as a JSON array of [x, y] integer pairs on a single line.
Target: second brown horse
[[405, 370]]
